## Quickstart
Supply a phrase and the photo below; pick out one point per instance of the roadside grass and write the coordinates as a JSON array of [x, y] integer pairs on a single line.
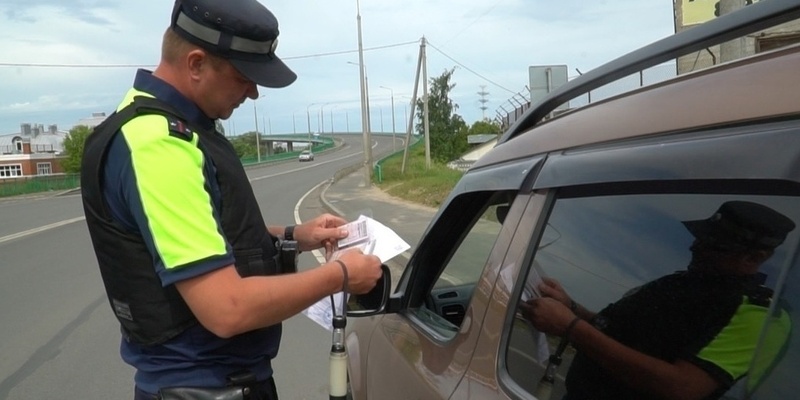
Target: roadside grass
[[418, 184]]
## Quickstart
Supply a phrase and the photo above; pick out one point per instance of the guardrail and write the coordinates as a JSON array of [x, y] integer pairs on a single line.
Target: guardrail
[[38, 184]]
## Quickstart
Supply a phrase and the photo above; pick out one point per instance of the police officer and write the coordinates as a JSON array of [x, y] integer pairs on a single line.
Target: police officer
[[688, 335], [197, 280]]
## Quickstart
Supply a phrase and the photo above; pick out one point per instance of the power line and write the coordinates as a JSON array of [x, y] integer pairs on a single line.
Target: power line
[[469, 69], [43, 65], [35, 65], [336, 53], [472, 23]]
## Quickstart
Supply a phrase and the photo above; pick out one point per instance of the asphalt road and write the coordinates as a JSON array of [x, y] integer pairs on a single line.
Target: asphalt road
[[58, 337]]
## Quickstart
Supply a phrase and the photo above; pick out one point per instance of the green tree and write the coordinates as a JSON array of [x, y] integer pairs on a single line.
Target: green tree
[[485, 127], [448, 131], [73, 148], [245, 145]]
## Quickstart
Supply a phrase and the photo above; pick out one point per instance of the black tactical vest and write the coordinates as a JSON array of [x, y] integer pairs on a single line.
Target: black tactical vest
[[148, 312]]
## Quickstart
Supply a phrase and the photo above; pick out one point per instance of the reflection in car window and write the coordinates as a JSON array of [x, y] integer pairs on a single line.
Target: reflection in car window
[[602, 249], [472, 236]]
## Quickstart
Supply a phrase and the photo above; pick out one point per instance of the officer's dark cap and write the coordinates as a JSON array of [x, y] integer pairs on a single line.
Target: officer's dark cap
[[243, 32], [743, 224]]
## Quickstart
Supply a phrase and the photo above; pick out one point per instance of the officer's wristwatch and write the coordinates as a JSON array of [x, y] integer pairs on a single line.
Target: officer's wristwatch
[[288, 233]]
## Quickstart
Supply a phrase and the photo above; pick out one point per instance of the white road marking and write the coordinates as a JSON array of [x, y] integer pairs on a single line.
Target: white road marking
[[40, 229], [296, 212]]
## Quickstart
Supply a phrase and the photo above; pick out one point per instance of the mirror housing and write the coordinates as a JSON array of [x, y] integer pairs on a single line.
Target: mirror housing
[[373, 302]]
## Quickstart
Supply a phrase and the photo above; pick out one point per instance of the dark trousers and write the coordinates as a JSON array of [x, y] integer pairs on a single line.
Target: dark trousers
[[264, 390]]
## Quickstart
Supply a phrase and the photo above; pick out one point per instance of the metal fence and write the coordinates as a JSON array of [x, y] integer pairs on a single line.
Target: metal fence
[[38, 184], [516, 106]]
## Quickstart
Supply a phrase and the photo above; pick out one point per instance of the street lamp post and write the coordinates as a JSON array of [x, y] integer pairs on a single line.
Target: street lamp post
[[391, 94], [331, 117], [308, 119], [258, 139], [322, 118]]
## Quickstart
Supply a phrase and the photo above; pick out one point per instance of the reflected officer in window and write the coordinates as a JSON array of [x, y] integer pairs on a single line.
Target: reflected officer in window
[[688, 335]]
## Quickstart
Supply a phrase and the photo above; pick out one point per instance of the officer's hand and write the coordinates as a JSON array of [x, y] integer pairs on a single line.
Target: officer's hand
[[553, 289], [322, 231], [547, 315], [363, 270]]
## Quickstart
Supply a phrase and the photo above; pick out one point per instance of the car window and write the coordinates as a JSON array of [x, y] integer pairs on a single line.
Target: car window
[[604, 248], [456, 257]]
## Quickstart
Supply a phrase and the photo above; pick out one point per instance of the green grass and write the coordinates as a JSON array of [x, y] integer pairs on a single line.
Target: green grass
[[418, 184]]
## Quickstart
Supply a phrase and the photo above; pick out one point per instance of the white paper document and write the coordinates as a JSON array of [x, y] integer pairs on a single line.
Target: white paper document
[[372, 237]]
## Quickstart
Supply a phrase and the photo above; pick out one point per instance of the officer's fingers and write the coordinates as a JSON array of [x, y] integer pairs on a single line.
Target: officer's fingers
[[525, 307], [548, 291], [366, 270], [323, 234], [332, 221], [550, 282], [351, 256], [327, 221]]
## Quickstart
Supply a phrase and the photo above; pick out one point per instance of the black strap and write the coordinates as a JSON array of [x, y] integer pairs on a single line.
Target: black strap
[[97, 144]]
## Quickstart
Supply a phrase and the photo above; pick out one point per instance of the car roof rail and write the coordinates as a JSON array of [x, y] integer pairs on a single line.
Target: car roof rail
[[759, 16]]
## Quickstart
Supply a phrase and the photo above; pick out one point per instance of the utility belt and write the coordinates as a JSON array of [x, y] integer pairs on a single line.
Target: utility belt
[[241, 386], [252, 262]]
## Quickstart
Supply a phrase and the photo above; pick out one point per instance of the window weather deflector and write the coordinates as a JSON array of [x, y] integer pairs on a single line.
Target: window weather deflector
[[753, 18]]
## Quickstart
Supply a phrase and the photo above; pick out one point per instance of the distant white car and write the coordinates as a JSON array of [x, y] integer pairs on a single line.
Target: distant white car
[[306, 155]]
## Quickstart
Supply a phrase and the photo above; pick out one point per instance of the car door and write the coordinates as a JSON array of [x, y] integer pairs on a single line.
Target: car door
[[609, 220], [423, 351]]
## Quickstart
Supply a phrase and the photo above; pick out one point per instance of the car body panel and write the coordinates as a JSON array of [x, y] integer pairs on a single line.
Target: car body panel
[[677, 157], [724, 133]]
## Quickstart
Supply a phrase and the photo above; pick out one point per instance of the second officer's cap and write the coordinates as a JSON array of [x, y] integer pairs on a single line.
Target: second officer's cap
[[243, 32], [745, 224]]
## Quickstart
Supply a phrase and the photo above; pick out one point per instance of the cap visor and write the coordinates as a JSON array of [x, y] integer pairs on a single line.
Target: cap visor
[[271, 74], [698, 228]]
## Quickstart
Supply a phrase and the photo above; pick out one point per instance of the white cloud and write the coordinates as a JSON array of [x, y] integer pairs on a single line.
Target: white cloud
[[497, 39]]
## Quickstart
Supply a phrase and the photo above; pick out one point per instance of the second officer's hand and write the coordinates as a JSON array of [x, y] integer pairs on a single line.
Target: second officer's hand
[[547, 315], [553, 289], [363, 270]]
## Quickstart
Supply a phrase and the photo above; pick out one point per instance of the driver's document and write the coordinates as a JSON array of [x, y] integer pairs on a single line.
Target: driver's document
[[372, 237]]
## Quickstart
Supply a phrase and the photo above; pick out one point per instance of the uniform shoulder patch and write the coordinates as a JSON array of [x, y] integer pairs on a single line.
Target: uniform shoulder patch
[[178, 128]]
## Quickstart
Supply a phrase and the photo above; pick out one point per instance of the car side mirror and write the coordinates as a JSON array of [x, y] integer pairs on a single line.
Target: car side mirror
[[373, 302]]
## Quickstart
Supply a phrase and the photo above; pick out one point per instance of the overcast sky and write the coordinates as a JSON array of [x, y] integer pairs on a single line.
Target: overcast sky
[[490, 43]]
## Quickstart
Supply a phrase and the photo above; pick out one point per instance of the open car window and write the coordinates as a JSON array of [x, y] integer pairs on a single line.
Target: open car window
[[454, 258]]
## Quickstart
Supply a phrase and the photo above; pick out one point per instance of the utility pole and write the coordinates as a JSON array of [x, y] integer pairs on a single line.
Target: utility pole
[[364, 113], [425, 119], [413, 104]]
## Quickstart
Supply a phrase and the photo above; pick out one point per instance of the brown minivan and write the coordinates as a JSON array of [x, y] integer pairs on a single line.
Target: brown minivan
[[598, 199]]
